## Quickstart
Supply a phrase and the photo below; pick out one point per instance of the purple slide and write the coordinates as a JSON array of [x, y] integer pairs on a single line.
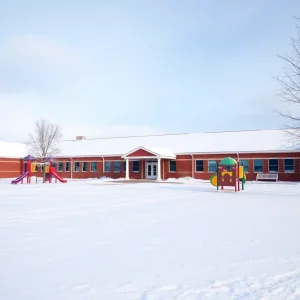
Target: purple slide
[[22, 176]]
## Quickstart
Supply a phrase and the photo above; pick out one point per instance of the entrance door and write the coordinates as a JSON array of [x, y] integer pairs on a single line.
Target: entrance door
[[151, 170]]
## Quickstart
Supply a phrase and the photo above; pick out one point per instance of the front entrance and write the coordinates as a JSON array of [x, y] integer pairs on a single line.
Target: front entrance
[[151, 170]]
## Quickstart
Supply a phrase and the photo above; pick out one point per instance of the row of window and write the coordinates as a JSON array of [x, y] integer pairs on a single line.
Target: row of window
[[258, 165], [117, 166], [108, 166]]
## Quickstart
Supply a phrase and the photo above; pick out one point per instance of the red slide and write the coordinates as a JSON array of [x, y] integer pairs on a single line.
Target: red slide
[[59, 178]]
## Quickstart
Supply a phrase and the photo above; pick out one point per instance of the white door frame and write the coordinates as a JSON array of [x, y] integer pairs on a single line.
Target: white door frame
[[154, 169]]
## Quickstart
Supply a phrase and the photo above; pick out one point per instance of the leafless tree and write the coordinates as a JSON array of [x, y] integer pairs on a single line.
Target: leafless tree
[[289, 89], [43, 142]]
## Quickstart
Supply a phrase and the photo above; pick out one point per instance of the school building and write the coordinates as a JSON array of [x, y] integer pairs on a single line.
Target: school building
[[159, 157]]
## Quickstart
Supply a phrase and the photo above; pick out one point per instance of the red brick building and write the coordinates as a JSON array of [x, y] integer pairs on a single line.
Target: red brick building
[[173, 156], [10, 159]]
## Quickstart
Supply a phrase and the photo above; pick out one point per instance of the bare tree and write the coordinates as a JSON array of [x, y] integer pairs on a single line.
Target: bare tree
[[44, 141], [290, 87]]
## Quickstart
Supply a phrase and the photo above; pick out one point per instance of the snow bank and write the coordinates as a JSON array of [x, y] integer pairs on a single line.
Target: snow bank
[[89, 241]]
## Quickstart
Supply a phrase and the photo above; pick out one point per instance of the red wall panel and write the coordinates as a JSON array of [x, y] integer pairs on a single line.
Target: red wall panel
[[185, 166], [10, 167], [140, 152]]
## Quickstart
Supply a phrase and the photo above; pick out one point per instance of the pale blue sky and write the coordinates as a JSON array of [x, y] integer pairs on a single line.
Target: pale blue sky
[[134, 67]]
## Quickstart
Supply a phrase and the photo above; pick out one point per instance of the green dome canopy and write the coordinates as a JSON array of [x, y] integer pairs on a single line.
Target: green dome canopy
[[228, 161]]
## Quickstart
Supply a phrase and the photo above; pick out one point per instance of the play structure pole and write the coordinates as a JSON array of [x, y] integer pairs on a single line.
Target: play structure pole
[[238, 176], [217, 176], [28, 164]]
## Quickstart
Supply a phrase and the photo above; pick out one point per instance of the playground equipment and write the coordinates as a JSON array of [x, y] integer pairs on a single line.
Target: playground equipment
[[31, 167], [229, 173]]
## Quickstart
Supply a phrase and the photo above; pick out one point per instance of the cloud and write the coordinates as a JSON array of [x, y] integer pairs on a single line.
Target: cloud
[[37, 63], [23, 109], [19, 116], [39, 49]]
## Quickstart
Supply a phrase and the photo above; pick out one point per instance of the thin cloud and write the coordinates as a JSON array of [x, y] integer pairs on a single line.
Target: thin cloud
[[41, 49]]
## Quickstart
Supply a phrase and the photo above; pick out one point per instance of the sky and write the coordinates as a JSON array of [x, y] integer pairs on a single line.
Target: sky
[[106, 68]]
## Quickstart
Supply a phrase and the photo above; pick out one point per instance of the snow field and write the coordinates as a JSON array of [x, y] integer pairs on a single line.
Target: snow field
[[93, 239]]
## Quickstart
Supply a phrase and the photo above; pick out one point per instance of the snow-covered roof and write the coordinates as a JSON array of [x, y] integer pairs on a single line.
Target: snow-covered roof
[[170, 145], [218, 142], [12, 150]]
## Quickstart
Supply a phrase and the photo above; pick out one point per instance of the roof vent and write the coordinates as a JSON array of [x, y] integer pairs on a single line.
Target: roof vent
[[80, 137]]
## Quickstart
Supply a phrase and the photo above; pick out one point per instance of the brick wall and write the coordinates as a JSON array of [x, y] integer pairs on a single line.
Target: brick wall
[[185, 166], [10, 167]]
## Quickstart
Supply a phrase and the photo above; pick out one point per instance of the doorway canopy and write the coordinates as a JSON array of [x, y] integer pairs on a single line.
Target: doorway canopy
[[148, 153]]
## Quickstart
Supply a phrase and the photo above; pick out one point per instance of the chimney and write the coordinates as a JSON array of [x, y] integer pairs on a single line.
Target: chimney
[[80, 137]]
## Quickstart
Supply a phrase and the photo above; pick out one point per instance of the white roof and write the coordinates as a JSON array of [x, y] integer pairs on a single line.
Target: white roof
[[12, 150], [218, 142], [170, 145]]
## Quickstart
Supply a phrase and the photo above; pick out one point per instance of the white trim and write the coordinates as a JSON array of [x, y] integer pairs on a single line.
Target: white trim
[[12, 157], [195, 162], [193, 167], [114, 171], [82, 162], [127, 170], [104, 171], [263, 165], [136, 149], [179, 153], [141, 157], [146, 170], [83, 156], [132, 166], [294, 164], [216, 160], [235, 152], [91, 166], [57, 168], [170, 166], [155, 154], [74, 162], [269, 171], [158, 169]]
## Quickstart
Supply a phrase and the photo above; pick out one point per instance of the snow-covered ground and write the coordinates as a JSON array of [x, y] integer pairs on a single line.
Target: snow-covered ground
[[94, 240]]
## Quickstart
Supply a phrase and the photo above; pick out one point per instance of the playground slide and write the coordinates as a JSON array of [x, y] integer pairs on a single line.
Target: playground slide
[[59, 178], [22, 176]]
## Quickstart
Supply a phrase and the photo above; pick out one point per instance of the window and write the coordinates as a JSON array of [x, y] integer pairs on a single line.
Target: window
[[84, 166], [273, 165], [117, 166], [135, 166], [245, 163], [124, 166], [60, 167], [76, 166], [212, 166], [172, 165], [258, 165], [107, 166], [93, 166], [67, 166], [36, 168], [199, 166], [288, 165]]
